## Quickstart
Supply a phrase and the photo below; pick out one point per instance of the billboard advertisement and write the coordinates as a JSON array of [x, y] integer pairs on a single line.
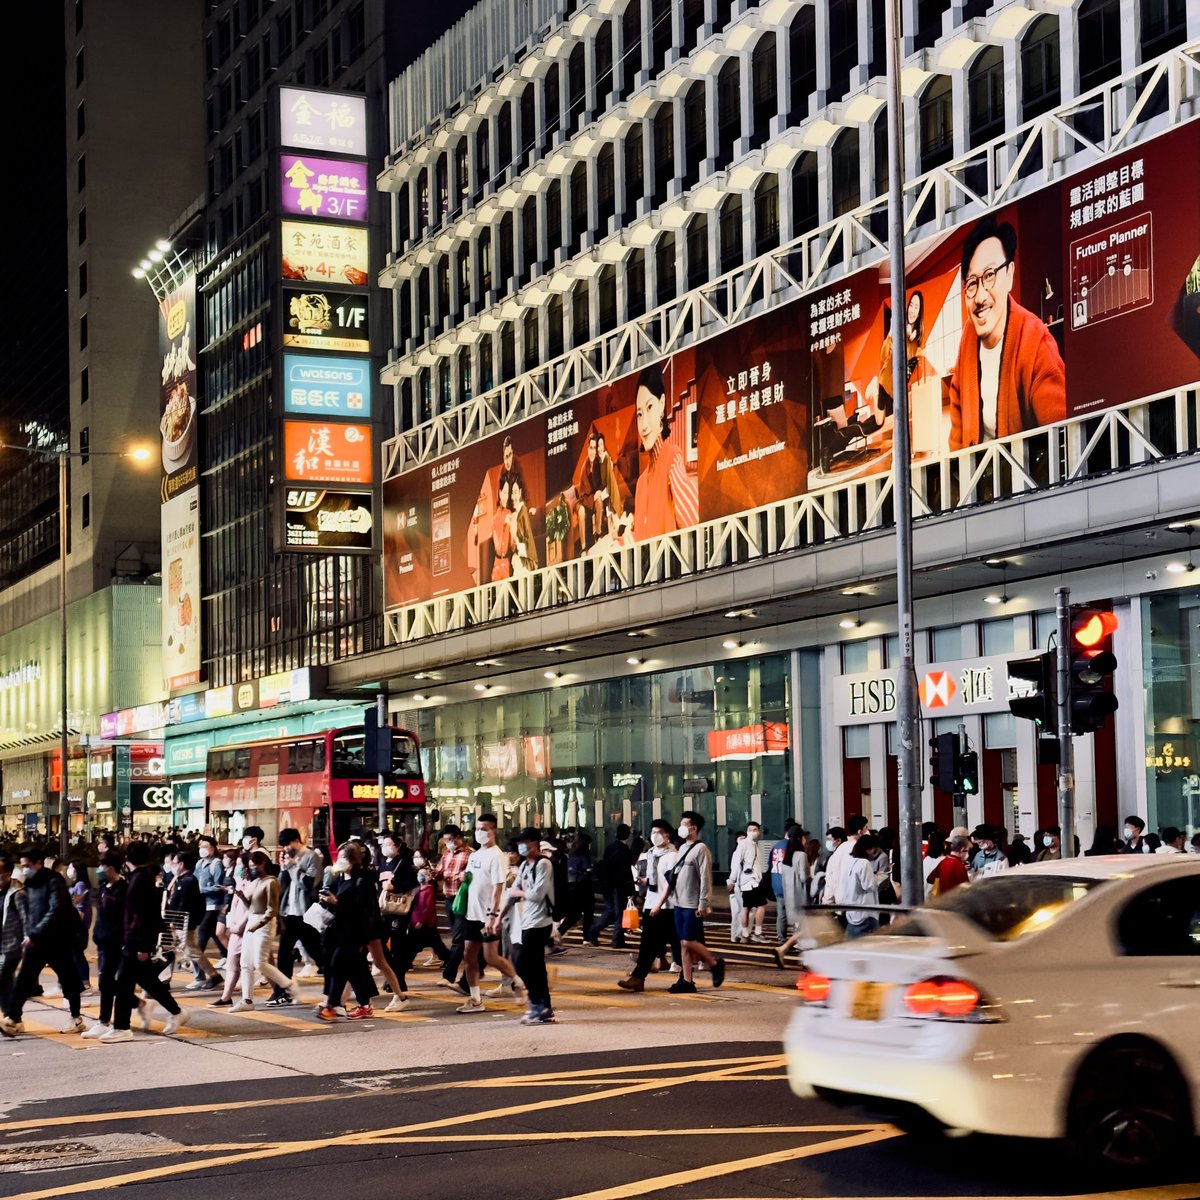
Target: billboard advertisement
[[315, 252], [332, 122], [323, 320], [181, 589], [323, 187], [326, 452], [334, 387], [177, 394], [323, 519], [1076, 298]]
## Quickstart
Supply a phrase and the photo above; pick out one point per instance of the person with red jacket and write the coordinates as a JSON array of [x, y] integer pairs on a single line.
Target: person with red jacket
[[951, 871], [1009, 375]]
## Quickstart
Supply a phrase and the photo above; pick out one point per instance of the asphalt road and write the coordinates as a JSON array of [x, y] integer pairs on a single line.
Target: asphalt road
[[669, 1121]]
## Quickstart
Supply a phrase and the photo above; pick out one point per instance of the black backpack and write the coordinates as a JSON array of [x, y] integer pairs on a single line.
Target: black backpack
[[562, 886]]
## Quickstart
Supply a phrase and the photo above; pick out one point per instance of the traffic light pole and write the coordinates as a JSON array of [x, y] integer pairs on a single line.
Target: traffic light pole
[[960, 798], [1066, 760]]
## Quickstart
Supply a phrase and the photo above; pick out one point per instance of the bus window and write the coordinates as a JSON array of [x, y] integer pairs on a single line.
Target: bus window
[[349, 760], [300, 758], [318, 756], [405, 762], [241, 764], [320, 828]]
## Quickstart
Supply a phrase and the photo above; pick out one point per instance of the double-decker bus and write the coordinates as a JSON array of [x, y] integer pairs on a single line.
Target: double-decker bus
[[317, 783]]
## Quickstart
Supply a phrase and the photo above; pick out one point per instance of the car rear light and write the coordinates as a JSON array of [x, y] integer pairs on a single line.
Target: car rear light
[[813, 988], [947, 999]]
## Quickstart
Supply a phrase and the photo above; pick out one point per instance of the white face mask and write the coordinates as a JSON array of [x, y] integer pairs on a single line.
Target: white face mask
[[1128, 831], [483, 837], [418, 859], [389, 851], [684, 830], [658, 838], [247, 843], [71, 874], [205, 852], [1047, 841], [830, 844]]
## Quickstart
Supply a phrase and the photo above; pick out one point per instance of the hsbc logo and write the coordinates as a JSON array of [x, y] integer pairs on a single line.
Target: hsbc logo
[[157, 798], [938, 689]]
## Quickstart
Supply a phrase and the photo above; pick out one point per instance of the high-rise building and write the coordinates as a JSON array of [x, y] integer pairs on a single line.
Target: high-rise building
[[133, 149], [638, 511]]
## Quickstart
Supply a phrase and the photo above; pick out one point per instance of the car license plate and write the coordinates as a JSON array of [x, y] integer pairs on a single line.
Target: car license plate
[[867, 1003]]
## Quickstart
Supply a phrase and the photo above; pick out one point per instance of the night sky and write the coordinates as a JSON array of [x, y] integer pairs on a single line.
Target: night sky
[[33, 341]]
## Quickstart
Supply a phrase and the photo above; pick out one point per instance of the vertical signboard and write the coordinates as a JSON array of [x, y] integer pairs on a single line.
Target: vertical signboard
[[180, 488], [323, 184]]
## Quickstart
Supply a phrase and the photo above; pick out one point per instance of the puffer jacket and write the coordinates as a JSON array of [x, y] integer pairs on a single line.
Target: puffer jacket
[[14, 917], [51, 913]]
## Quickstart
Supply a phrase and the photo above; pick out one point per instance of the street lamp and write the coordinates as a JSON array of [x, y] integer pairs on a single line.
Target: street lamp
[[140, 454]]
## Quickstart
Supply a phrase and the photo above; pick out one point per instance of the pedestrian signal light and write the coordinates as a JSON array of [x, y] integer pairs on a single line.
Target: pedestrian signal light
[[966, 773], [942, 761]]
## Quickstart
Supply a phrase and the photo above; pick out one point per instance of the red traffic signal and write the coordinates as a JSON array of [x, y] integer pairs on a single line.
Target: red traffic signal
[[1090, 627]]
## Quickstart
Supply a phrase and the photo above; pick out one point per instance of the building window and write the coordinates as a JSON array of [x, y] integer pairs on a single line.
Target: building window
[[81, 173], [553, 106], [937, 123], [85, 444], [847, 173], [1041, 88], [766, 214], [1164, 24], [78, 16], [635, 183], [660, 33], [1099, 42], [806, 209], [631, 47], [579, 205], [554, 225], [731, 234], [843, 45], [664, 269], [729, 112], [83, 278], [576, 87], [693, 22], [83, 332], [635, 284], [607, 294], [79, 68], [85, 510], [697, 251], [985, 96], [604, 66], [80, 120], [929, 22], [765, 89], [695, 133], [663, 132], [82, 225], [606, 201], [802, 36], [84, 386]]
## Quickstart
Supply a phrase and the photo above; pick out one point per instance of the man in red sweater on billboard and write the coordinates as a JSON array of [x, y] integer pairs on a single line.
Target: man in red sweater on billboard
[[1009, 376]]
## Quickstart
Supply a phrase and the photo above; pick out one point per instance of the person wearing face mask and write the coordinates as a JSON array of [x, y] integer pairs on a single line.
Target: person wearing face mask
[[488, 869], [1134, 841], [299, 879], [690, 882], [423, 921], [109, 931], [184, 898], [840, 859], [450, 871], [866, 869], [615, 870], [950, 870], [1051, 848], [658, 917], [988, 859], [533, 896], [210, 878], [79, 884], [746, 877], [14, 915], [834, 837], [351, 897], [260, 891]]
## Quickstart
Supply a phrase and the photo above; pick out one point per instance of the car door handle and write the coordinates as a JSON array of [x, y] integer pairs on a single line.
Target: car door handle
[[1181, 982]]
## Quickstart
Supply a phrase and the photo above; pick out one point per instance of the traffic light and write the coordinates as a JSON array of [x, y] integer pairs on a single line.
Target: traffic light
[[1092, 665], [1039, 703], [942, 761], [966, 773]]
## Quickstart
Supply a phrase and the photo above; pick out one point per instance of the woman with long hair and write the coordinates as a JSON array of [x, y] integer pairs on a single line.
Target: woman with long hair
[[667, 496], [524, 549], [502, 531], [350, 896]]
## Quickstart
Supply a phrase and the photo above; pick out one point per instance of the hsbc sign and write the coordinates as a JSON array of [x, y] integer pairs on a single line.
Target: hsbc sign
[[954, 689]]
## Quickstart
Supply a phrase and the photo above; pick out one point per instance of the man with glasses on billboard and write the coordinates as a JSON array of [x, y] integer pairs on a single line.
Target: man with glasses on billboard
[[1009, 375]]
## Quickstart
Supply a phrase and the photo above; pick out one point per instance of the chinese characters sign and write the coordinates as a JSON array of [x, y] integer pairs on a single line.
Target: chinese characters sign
[[319, 253], [323, 187], [181, 589], [311, 120], [330, 387], [327, 452], [321, 519], [322, 320]]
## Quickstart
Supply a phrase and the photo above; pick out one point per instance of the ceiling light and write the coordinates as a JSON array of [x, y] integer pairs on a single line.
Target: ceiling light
[[735, 614], [994, 562], [419, 699], [848, 623], [732, 644], [551, 675], [994, 599], [163, 245], [154, 255], [481, 687], [635, 662], [849, 591], [145, 264], [138, 273], [636, 633], [1180, 526], [421, 675], [1179, 568]]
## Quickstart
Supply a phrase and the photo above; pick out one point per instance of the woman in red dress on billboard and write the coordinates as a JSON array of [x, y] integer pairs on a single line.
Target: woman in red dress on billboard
[[667, 496], [502, 530]]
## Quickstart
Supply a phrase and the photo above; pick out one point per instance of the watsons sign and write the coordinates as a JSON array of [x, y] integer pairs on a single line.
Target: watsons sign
[[29, 672]]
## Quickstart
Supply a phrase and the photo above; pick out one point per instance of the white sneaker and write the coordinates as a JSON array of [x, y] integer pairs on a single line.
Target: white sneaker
[[175, 1021], [197, 985], [219, 965], [674, 970], [308, 971], [428, 960], [447, 983], [76, 1026], [52, 991], [241, 1006], [96, 1032], [757, 937], [471, 1006], [397, 1004], [506, 987], [143, 1016], [116, 1035], [87, 990]]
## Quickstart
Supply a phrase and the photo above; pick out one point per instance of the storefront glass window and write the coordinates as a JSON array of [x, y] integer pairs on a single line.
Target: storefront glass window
[[998, 636], [1171, 657], [946, 644]]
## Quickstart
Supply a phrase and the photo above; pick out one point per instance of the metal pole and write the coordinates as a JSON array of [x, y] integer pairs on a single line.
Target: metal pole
[[64, 804], [1066, 748], [960, 798], [381, 722], [907, 714]]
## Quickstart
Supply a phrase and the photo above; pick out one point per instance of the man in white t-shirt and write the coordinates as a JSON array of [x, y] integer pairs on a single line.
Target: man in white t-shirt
[[839, 860], [488, 869]]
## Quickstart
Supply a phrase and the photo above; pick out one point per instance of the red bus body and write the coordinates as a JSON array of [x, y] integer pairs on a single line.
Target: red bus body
[[315, 783]]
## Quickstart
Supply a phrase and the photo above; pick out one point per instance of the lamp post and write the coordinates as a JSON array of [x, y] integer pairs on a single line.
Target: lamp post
[[63, 455]]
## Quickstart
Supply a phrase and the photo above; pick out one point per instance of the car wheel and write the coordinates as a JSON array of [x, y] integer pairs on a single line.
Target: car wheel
[[1129, 1108]]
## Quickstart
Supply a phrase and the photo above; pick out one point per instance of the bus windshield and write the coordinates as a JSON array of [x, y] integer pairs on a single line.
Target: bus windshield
[[349, 759]]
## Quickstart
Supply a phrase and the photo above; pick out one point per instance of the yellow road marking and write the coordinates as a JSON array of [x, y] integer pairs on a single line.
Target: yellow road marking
[[285, 1149], [558, 1135], [497, 1082], [659, 1183]]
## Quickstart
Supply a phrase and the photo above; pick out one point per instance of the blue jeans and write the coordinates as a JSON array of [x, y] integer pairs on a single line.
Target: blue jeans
[[862, 928]]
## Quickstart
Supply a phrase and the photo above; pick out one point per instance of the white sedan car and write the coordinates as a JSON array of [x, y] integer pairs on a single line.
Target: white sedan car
[[1056, 1000]]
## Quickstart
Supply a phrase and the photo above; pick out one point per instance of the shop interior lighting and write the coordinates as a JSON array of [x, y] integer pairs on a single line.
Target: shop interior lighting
[[162, 245], [995, 562], [732, 643], [481, 687], [419, 699], [849, 623], [634, 661], [736, 614], [992, 598], [1181, 568], [551, 675]]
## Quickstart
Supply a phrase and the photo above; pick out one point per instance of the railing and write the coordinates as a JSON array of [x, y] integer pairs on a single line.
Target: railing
[[1148, 100], [1118, 440]]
